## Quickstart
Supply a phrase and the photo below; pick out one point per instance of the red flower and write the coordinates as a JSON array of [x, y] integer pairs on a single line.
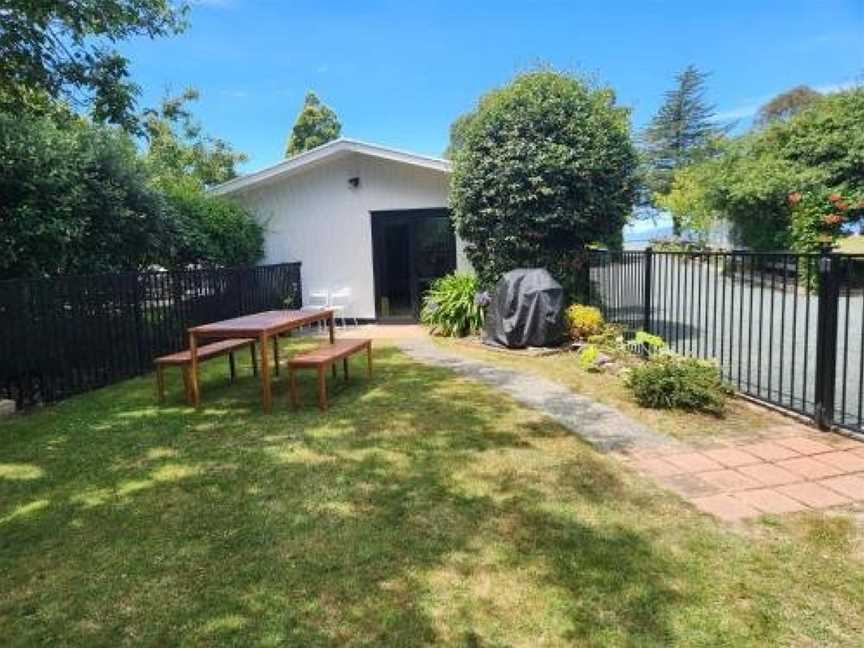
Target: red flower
[[842, 206], [794, 198], [834, 197], [832, 219]]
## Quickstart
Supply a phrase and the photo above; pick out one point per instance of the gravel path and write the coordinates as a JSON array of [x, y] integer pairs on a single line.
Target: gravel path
[[605, 428]]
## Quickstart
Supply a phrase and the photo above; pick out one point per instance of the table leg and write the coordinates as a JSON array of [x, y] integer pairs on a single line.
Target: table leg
[[187, 383], [194, 391], [266, 395], [276, 354], [369, 360], [345, 368], [331, 324], [252, 353], [232, 367]]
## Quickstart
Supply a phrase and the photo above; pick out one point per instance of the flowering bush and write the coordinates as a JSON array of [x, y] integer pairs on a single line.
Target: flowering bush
[[818, 217], [583, 321]]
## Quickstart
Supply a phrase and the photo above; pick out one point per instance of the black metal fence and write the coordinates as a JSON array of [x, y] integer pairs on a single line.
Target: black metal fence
[[784, 328], [68, 335]]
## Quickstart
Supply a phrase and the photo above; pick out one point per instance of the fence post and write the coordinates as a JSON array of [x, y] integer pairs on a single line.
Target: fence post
[[646, 290], [826, 336]]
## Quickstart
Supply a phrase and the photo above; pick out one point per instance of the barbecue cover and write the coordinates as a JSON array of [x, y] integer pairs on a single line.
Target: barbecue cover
[[525, 309]]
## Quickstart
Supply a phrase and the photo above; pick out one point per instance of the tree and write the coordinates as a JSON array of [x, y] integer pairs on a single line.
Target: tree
[[59, 48], [177, 147], [315, 125], [76, 199], [682, 132], [79, 197], [786, 105], [813, 155], [210, 230], [546, 167]]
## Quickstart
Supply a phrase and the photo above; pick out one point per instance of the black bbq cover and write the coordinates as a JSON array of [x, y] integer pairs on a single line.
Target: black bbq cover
[[525, 310]]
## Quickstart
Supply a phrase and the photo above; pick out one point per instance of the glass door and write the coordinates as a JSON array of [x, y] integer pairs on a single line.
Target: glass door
[[410, 250]]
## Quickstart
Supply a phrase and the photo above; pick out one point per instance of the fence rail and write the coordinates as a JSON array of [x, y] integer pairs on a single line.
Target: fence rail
[[68, 335], [784, 328]]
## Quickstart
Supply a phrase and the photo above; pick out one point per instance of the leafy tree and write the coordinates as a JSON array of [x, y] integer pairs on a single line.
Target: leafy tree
[[316, 124], [210, 230], [60, 48], [457, 135], [546, 167], [76, 199], [814, 154], [178, 148], [681, 133], [787, 104]]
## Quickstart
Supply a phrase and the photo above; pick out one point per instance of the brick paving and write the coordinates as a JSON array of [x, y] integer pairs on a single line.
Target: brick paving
[[785, 469], [777, 469]]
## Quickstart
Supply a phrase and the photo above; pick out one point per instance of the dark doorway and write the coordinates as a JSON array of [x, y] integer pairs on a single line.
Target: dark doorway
[[410, 249]]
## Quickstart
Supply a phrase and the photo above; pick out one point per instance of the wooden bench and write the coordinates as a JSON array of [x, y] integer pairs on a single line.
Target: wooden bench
[[323, 357], [183, 359]]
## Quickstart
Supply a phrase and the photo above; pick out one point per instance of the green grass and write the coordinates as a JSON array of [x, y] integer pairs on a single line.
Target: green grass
[[741, 417], [420, 509]]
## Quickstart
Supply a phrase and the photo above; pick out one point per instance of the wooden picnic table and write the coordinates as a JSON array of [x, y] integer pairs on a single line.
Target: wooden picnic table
[[262, 327]]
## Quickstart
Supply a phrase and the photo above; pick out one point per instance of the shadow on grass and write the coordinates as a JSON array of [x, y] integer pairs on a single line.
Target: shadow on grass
[[125, 522]]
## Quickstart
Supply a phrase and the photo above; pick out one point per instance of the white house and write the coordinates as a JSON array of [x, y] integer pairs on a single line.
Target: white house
[[357, 215]]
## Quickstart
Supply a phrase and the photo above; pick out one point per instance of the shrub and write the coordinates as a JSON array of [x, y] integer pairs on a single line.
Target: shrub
[[583, 321], [646, 344], [587, 356], [675, 382], [450, 306], [542, 168], [210, 230]]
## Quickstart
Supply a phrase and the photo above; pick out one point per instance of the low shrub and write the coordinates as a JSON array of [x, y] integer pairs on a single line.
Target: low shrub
[[450, 306], [646, 344], [584, 321], [674, 382], [587, 357]]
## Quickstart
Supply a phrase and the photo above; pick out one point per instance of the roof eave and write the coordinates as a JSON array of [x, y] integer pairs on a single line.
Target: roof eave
[[322, 153]]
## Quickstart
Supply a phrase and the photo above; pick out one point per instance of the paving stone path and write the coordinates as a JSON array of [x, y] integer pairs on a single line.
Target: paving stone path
[[781, 469], [602, 426]]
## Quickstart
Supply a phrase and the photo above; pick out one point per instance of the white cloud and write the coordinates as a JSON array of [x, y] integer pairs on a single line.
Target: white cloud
[[837, 87], [742, 112], [745, 111]]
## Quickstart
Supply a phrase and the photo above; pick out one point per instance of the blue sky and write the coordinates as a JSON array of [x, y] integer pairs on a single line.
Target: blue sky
[[399, 72]]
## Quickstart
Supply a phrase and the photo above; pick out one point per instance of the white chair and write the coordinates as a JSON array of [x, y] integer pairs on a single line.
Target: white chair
[[340, 302], [319, 299]]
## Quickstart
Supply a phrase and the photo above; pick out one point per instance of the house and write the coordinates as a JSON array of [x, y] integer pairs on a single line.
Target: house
[[357, 215]]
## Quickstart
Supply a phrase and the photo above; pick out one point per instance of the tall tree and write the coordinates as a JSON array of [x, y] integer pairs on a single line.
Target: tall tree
[[178, 147], [682, 132], [316, 124], [787, 104], [544, 167], [62, 49]]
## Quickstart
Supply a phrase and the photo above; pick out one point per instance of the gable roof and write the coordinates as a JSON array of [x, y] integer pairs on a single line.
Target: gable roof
[[330, 150]]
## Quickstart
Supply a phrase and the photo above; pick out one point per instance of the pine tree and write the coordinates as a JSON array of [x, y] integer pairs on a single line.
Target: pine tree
[[680, 133], [316, 125]]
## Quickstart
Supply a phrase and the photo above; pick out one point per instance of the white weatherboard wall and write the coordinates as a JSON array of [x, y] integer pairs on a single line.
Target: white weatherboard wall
[[316, 218]]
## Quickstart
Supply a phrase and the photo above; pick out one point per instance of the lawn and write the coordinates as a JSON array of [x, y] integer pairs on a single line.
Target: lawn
[[741, 418], [421, 509]]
